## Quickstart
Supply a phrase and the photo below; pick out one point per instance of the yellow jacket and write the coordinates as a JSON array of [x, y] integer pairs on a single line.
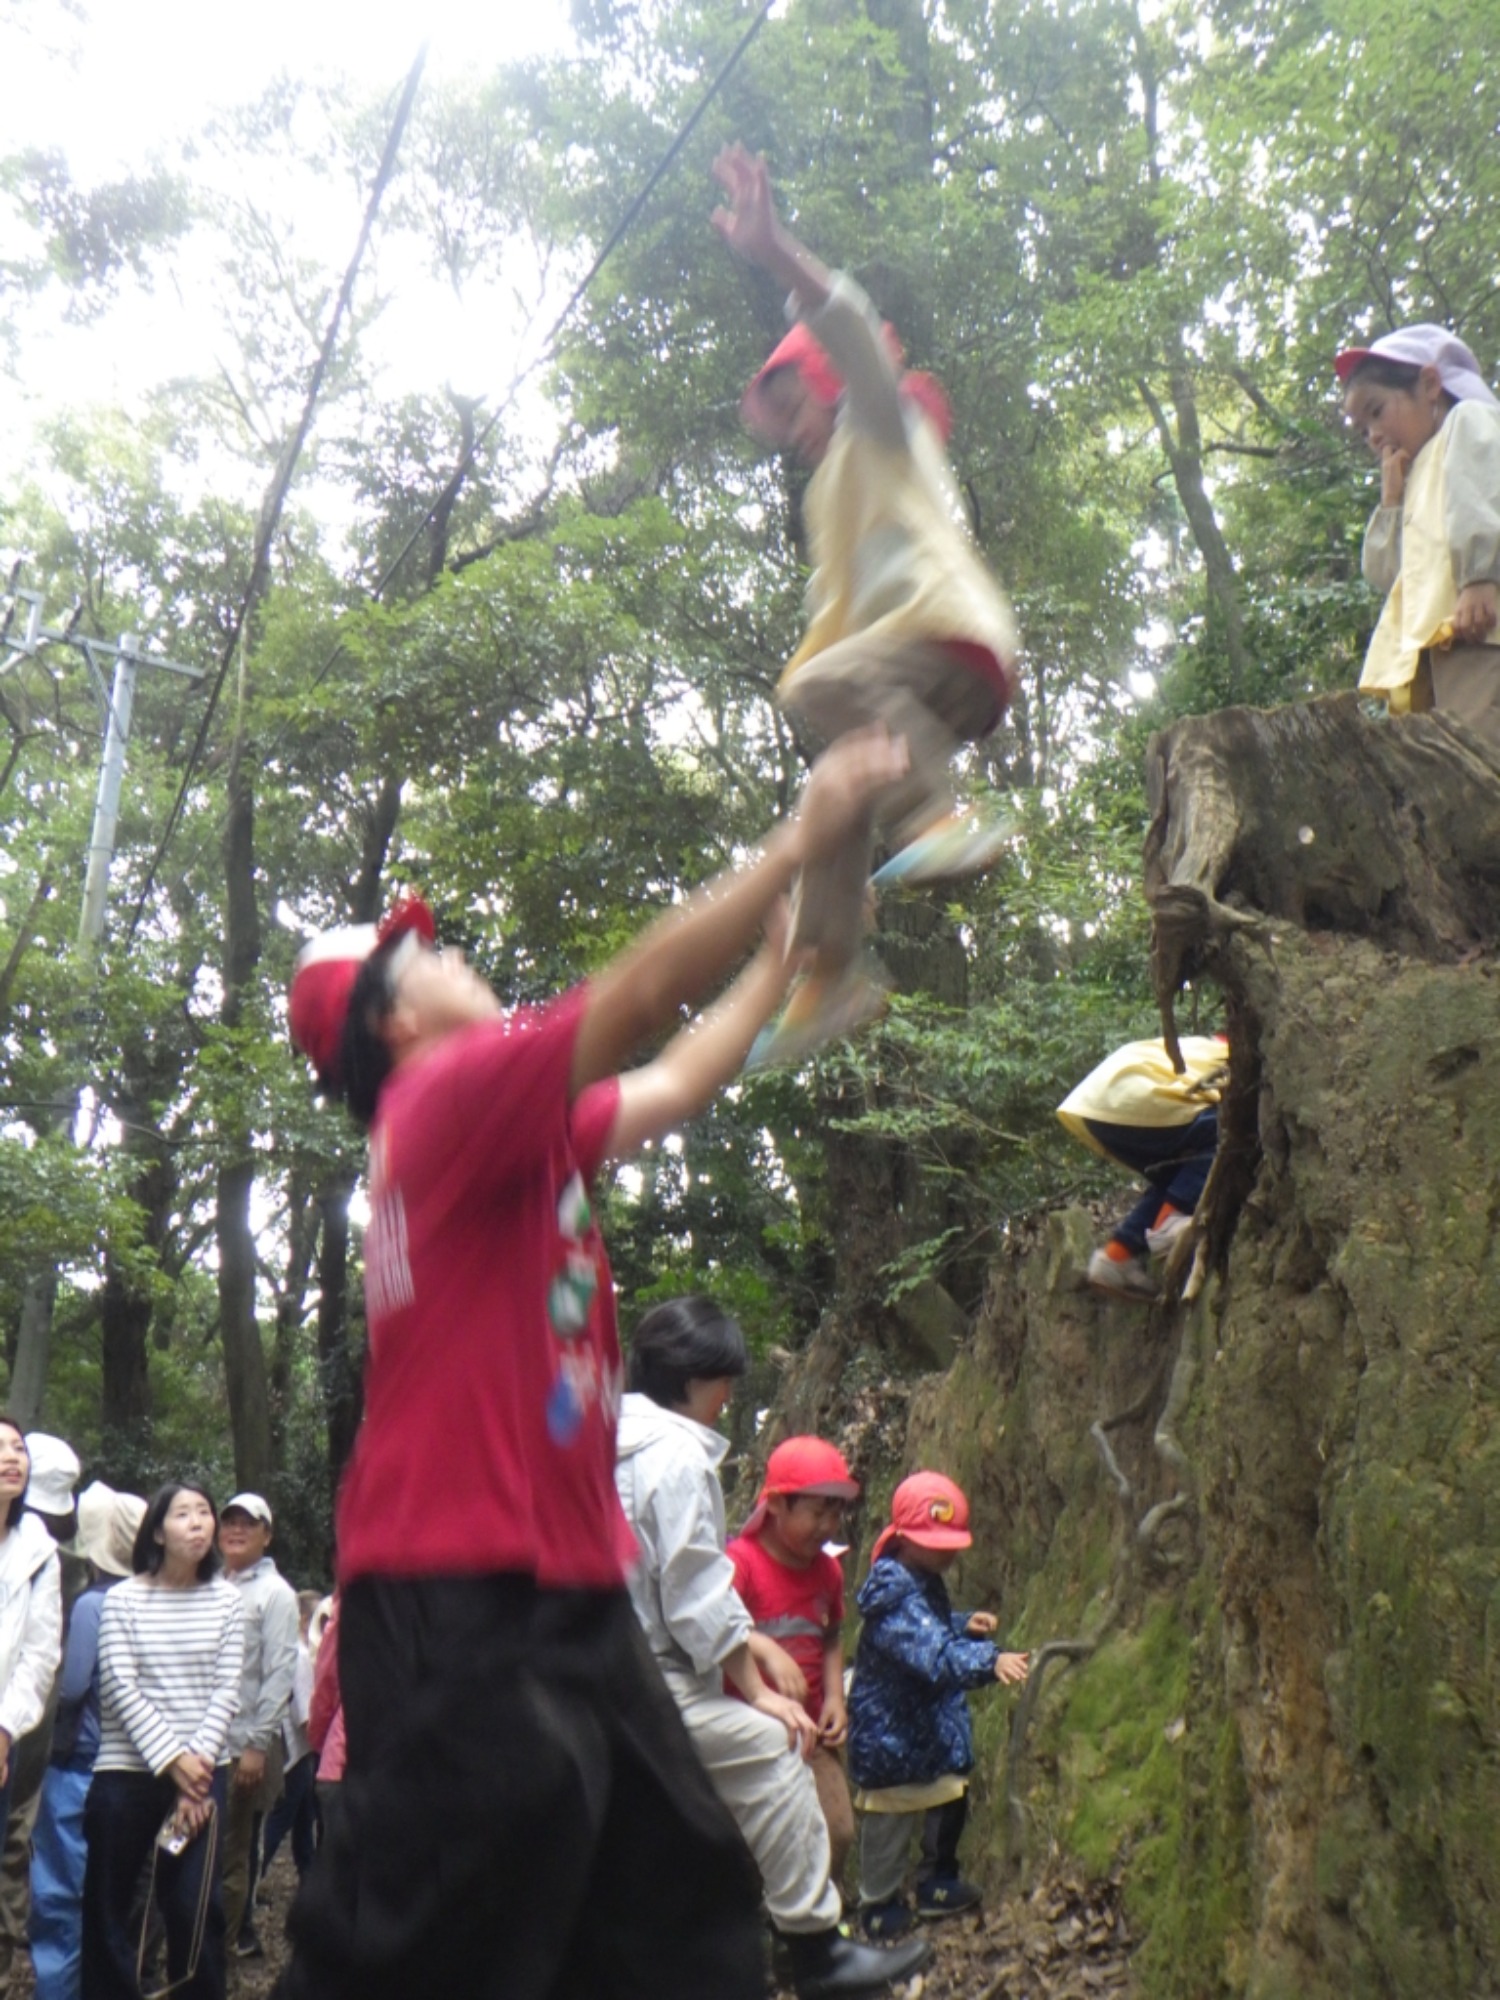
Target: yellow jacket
[[1137, 1085]]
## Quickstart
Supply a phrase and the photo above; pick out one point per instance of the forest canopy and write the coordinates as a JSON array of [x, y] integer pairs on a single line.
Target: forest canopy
[[519, 650]]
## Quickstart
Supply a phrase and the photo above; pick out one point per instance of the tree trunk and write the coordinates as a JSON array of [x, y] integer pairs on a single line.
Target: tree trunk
[[245, 1376]]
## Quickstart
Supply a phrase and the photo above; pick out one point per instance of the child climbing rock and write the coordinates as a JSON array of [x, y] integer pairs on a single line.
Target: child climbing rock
[[906, 626]]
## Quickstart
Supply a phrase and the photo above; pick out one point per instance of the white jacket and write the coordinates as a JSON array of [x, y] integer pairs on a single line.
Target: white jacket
[[30, 1624], [667, 1470]]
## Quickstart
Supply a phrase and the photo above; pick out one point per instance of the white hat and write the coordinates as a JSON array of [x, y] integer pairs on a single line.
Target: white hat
[[251, 1504], [54, 1474], [108, 1523], [1425, 346]]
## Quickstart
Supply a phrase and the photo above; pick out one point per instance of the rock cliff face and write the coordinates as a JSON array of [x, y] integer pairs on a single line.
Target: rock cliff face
[[1267, 1522]]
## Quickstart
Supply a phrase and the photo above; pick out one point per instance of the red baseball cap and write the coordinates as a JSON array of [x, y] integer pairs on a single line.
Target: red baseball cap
[[930, 1510], [804, 352], [804, 1465], [324, 975]]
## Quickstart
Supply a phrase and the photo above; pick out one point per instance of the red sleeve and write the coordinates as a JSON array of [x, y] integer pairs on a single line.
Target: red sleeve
[[489, 1103], [591, 1122], [324, 1705]]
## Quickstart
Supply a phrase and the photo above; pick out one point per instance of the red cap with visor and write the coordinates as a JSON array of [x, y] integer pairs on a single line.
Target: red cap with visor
[[804, 1465], [324, 975], [928, 1509]]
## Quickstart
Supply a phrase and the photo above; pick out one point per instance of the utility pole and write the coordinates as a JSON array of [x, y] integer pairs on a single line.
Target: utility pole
[[116, 701]]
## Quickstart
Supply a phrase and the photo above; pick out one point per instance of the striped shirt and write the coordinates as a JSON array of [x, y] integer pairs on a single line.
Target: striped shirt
[[169, 1673]]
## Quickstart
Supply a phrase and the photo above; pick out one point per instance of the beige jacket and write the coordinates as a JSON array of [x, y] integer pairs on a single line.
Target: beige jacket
[[1445, 534]]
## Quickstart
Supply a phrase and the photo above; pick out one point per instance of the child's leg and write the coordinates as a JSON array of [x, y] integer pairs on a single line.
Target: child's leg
[[942, 1829], [838, 1810], [884, 1840]]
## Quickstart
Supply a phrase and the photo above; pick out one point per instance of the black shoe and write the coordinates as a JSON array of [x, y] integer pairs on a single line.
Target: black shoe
[[829, 1966], [247, 1944], [883, 1923], [946, 1896]]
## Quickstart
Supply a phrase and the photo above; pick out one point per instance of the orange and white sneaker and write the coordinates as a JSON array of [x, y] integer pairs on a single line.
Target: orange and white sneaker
[[1114, 1270]]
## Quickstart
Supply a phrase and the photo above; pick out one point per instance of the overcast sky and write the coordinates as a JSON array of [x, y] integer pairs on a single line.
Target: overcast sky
[[114, 84]]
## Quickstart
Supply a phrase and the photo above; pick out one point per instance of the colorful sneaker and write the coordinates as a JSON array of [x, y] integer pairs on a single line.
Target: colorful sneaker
[[883, 1922], [1129, 1278], [819, 1011], [958, 844], [945, 1896], [1169, 1228]]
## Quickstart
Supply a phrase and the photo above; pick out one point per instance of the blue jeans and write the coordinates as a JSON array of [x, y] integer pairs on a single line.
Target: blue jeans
[[58, 1856], [1173, 1159], [121, 1820], [294, 1813]]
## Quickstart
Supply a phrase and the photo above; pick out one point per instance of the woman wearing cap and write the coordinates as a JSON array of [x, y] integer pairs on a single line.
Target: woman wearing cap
[[30, 1605], [907, 625], [108, 1523], [911, 1740], [171, 1641], [1433, 543]]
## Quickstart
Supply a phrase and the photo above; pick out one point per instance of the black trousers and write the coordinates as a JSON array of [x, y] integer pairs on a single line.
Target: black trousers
[[121, 1819], [524, 1814]]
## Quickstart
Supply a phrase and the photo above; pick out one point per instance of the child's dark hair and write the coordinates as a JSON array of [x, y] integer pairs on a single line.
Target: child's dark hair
[[364, 1060], [17, 1506], [148, 1554], [682, 1341], [1383, 373]]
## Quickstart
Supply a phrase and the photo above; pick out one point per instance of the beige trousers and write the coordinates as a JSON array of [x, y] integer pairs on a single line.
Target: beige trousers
[[919, 690], [1463, 682]]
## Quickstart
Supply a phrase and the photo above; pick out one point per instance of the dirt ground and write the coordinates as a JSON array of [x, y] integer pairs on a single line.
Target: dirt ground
[[1065, 1941]]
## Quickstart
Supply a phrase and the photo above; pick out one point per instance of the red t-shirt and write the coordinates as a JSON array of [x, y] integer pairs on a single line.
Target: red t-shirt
[[799, 1608], [493, 1378]]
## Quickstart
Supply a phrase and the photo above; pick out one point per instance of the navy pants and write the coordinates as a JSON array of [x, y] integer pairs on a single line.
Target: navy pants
[[121, 1820], [1174, 1160], [524, 1816], [294, 1813]]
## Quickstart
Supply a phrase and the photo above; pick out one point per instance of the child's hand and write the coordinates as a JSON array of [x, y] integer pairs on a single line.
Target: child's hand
[[833, 1723], [1012, 1668], [1476, 614], [801, 1730], [1393, 467], [982, 1625], [749, 223], [778, 1667]]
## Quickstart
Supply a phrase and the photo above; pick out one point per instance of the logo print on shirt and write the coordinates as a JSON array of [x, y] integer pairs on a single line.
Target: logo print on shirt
[[570, 1296]]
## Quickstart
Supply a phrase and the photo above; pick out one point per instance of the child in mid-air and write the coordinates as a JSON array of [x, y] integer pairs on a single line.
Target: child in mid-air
[[792, 1585], [1433, 543], [911, 1741], [906, 626]]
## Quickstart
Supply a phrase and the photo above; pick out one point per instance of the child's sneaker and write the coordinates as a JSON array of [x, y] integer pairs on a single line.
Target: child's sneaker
[[958, 844], [1123, 1276], [1170, 1225], [820, 1010], [882, 1922], [945, 1896]]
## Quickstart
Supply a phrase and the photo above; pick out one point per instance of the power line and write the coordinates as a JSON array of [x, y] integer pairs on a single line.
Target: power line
[[276, 497], [471, 452]]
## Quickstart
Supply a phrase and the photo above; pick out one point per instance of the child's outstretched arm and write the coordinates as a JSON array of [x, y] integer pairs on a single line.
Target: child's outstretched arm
[[683, 1080], [751, 226], [913, 1636]]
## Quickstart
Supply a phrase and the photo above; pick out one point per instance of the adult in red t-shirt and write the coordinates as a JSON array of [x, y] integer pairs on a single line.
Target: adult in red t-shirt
[[524, 1816]]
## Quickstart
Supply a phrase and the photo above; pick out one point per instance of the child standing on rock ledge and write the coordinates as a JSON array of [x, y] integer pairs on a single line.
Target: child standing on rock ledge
[[1433, 543]]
